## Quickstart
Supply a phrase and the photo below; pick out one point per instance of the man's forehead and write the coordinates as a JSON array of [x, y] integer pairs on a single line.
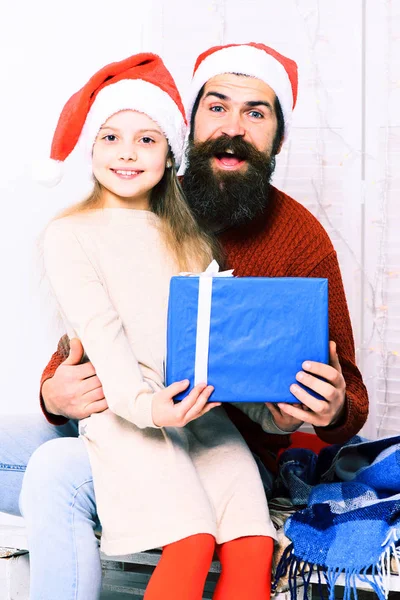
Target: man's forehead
[[238, 86]]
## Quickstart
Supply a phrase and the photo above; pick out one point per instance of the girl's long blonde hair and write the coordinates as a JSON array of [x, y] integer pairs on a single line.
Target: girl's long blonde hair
[[192, 247]]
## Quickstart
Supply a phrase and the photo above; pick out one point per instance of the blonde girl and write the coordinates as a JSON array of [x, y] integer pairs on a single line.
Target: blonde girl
[[176, 476]]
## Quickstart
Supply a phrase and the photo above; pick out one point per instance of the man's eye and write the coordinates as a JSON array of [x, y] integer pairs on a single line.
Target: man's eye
[[217, 108], [256, 114], [110, 137]]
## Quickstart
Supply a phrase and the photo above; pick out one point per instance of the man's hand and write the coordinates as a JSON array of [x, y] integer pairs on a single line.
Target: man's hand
[[74, 391], [168, 414], [319, 413]]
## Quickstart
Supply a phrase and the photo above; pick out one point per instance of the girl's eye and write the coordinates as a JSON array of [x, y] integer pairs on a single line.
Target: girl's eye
[[147, 140], [256, 114], [217, 108], [110, 137]]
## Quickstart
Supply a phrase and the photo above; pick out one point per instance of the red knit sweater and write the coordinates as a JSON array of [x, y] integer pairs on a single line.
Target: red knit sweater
[[286, 241]]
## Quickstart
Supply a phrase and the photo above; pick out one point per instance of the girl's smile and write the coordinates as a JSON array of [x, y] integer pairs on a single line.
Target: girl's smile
[[125, 174]]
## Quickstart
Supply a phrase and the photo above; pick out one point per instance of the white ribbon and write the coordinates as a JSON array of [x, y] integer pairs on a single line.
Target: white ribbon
[[204, 317]]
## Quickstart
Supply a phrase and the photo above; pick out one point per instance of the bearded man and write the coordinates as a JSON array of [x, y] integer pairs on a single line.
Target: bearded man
[[240, 106]]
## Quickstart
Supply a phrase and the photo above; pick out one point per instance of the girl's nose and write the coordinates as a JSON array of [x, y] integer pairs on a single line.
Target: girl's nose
[[128, 154]]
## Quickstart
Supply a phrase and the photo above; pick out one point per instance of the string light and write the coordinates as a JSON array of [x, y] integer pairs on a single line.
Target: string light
[[381, 317], [218, 7]]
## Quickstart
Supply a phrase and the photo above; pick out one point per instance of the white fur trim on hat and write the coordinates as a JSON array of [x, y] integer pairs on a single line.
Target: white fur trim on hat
[[246, 60], [144, 97], [47, 171]]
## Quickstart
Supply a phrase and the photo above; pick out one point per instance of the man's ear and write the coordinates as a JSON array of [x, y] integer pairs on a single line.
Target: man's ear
[[191, 129], [279, 147], [192, 124]]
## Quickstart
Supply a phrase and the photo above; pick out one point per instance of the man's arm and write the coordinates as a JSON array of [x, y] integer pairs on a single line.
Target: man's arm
[[55, 361], [69, 389]]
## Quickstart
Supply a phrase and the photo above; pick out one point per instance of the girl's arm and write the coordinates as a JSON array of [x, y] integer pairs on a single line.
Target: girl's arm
[[87, 309], [259, 413]]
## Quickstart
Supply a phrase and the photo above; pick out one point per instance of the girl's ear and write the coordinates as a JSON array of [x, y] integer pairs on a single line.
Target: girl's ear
[[168, 163]]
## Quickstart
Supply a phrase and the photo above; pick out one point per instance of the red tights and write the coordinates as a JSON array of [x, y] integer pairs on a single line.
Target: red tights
[[246, 569], [183, 568]]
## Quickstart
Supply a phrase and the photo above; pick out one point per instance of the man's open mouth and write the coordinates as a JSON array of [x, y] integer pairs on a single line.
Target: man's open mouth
[[229, 160]]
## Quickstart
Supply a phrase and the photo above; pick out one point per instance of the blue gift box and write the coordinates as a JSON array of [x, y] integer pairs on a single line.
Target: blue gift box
[[261, 330]]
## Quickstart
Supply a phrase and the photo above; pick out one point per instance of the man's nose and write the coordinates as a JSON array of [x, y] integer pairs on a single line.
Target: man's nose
[[233, 125]]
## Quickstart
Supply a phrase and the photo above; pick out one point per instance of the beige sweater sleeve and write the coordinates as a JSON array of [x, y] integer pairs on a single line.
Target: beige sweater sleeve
[[89, 314], [259, 413]]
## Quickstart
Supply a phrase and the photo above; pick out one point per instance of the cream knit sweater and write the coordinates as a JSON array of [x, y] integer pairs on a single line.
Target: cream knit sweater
[[110, 271]]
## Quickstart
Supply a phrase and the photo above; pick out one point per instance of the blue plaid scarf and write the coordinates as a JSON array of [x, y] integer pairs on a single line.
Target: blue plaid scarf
[[352, 524]]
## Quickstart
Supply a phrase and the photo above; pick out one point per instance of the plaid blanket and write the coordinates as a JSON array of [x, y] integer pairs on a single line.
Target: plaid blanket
[[351, 524]]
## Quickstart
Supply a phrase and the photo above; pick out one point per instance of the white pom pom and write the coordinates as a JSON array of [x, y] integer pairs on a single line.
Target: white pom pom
[[48, 172]]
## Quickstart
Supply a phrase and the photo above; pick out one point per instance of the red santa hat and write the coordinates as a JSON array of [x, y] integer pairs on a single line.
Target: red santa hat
[[255, 60], [140, 82]]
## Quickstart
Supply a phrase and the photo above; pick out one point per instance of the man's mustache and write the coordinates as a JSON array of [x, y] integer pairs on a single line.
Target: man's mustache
[[233, 146], [227, 197]]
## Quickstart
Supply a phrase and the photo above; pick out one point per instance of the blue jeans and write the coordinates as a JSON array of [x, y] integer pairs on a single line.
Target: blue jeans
[[54, 493]]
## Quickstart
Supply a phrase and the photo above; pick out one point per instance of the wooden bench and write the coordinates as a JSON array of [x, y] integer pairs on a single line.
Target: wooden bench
[[122, 575]]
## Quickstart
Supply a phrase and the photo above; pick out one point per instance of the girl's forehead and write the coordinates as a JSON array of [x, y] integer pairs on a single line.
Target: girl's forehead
[[132, 119]]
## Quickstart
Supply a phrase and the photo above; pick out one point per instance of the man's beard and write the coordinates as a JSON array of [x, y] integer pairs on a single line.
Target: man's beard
[[225, 198]]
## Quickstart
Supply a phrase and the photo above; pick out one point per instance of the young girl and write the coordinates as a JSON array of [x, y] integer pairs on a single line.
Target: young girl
[[163, 477]]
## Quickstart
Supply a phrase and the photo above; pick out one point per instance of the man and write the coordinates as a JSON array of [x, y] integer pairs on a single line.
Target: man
[[240, 106]]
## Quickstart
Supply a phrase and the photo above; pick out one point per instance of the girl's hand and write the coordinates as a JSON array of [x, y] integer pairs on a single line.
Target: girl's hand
[[168, 414]]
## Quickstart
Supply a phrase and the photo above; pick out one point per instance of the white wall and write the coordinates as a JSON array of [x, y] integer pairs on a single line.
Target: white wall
[[340, 161]]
